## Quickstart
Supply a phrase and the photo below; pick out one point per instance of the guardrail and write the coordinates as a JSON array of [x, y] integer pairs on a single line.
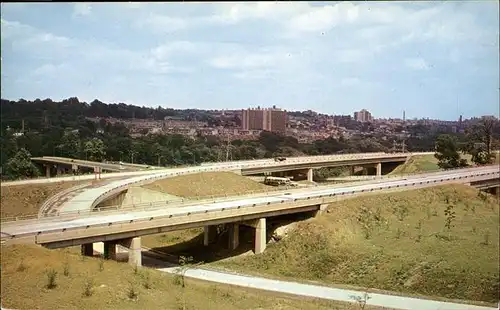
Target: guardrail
[[312, 200], [243, 166], [113, 209]]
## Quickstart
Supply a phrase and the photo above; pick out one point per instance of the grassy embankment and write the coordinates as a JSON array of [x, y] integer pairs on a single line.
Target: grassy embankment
[[22, 200], [428, 163], [91, 283], [397, 242]]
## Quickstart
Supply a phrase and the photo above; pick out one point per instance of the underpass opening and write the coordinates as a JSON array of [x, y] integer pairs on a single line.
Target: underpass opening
[[191, 242]]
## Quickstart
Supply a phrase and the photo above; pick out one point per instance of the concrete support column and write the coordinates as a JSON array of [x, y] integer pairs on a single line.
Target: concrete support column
[[379, 170], [110, 250], [321, 209], [353, 170], [310, 175], [260, 236], [134, 250], [47, 171], [87, 249], [234, 236], [209, 233]]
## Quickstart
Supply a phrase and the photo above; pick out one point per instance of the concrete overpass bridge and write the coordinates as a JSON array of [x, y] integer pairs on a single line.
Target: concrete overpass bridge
[[114, 192], [63, 165], [119, 228]]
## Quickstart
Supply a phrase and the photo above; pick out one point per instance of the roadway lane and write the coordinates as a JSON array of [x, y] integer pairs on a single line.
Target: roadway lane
[[56, 223]]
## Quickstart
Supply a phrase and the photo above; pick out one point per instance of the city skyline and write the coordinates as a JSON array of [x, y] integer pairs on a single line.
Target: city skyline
[[436, 60]]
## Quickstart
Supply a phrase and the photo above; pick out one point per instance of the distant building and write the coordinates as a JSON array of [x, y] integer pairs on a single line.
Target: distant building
[[273, 119], [363, 116]]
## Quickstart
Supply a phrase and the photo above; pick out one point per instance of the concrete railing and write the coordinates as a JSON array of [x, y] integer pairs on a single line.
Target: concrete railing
[[152, 178], [376, 187]]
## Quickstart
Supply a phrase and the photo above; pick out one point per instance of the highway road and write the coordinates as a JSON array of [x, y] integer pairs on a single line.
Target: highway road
[[216, 167], [55, 224], [88, 199]]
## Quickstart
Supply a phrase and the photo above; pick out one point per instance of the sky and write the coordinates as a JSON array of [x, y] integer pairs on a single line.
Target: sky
[[431, 59]]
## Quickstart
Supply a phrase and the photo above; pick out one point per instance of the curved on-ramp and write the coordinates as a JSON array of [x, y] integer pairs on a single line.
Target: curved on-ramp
[[92, 197]]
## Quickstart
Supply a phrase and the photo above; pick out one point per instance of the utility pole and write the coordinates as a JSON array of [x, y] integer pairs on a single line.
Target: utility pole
[[227, 148]]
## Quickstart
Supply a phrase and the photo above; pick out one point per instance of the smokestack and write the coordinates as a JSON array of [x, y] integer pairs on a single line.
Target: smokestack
[[404, 115]]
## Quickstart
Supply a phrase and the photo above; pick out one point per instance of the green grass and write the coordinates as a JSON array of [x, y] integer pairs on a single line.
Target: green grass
[[90, 283], [206, 184], [422, 163], [396, 242]]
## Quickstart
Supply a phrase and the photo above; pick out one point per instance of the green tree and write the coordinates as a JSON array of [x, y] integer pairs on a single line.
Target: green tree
[[21, 166], [70, 145], [94, 149], [479, 141], [447, 153]]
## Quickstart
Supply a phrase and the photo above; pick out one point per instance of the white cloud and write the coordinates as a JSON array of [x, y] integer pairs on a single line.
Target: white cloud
[[81, 9], [162, 24], [416, 63], [350, 81], [49, 70]]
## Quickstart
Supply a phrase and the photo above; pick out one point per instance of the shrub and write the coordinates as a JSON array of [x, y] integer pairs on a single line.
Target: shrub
[[51, 279], [88, 288], [132, 292]]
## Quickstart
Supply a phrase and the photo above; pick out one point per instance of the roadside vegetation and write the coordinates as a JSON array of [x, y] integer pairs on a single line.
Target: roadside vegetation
[[19, 200], [37, 278], [440, 242], [208, 184]]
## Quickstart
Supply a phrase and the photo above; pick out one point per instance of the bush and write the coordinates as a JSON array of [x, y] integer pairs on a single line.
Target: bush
[[66, 269], [88, 288], [132, 292], [51, 279], [21, 267]]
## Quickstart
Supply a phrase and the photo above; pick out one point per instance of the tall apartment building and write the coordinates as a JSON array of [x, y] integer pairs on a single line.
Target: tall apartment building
[[273, 119], [363, 116]]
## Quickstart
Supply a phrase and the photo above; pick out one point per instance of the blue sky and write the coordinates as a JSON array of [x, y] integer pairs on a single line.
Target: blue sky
[[434, 60]]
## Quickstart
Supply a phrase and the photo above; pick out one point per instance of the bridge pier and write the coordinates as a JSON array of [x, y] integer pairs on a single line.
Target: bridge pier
[[110, 250], [47, 171], [87, 249], [379, 170], [234, 236], [260, 234], [134, 250], [321, 209], [310, 175], [352, 170], [209, 233]]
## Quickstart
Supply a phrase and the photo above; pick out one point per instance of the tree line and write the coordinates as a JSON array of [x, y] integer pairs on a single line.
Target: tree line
[[480, 142], [61, 129]]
